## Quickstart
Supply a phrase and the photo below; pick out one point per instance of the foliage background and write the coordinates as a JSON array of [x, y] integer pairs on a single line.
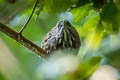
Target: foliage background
[[97, 22]]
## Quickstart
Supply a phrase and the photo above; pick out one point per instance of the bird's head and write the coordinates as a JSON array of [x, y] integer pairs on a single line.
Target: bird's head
[[63, 24]]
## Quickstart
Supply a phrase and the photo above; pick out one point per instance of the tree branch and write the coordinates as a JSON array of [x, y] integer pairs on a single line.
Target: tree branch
[[25, 25], [22, 40], [42, 5]]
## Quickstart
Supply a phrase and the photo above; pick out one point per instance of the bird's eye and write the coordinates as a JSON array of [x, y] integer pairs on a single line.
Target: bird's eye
[[60, 24]]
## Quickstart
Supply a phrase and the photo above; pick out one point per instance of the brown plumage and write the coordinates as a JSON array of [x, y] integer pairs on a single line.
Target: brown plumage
[[62, 36]]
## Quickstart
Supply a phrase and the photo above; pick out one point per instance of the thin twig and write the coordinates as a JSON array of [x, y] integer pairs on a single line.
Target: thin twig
[[24, 26], [22, 40], [40, 11]]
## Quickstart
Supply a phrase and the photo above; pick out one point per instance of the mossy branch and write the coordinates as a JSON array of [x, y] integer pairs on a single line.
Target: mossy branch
[[22, 40]]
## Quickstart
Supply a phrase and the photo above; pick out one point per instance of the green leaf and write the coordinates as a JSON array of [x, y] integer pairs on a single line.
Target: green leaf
[[92, 19], [56, 6], [109, 12], [117, 2], [81, 11], [2, 77], [89, 66], [82, 2], [98, 3], [113, 27], [109, 16]]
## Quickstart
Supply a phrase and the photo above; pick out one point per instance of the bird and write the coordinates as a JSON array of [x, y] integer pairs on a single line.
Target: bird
[[61, 37]]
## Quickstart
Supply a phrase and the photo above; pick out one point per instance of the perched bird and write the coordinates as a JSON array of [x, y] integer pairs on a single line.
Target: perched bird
[[61, 37]]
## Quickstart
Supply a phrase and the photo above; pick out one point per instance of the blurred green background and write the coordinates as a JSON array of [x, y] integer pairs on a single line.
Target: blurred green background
[[97, 22]]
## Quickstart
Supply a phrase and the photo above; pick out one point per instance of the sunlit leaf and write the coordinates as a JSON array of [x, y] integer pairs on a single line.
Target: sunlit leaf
[[92, 19], [81, 11]]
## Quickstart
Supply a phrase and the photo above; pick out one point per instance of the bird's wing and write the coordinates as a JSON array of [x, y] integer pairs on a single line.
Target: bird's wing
[[49, 41]]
